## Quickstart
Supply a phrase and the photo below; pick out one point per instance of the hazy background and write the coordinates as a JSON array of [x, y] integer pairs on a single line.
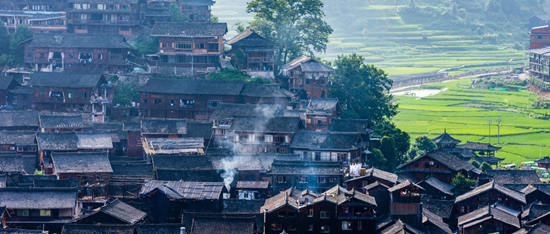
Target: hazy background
[[417, 36]]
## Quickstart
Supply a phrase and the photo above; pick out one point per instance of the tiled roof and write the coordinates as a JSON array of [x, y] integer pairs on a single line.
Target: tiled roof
[[514, 176], [376, 173], [73, 141], [252, 184], [402, 185], [81, 163], [449, 160], [443, 208], [119, 210], [428, 216], [284, 167], [267, 125], [439, 185], [17, 138], [222, 226], [193, 87], [486, 213], [189, 29], [305, 139], [73, 40], [185, 190], [61, 121], [18, 119], [280, 200], [65, 80], [307, 64], [445, 138], [490, 186], [34, 198], [157, 126], [350, 126], [478, 146]]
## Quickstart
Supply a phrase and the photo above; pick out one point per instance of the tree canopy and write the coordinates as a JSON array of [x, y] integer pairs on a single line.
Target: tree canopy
[[235, 75], [296, 26], [422, 145], [363, 90], [462, 184]]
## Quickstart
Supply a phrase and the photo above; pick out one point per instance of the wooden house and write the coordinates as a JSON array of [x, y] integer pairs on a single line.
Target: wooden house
[[16, 142], [511, 178], [539, 37], [71, 92], [114, 212], [252, 190], [158, 11], [37, 21], [406, 202], [87, 167], [330, 146], [281, 214], [47, 208], [70, 142], [197, 10], [103, 16], [187, 49], [537, 192], [320, 112], [544, 162], [253, 54], [380, 193], [440, 164], [307, 75], [437, 189], [489, 194], [257, 135], [197, 99], [316, 176], [16, 164], [40, 5], [61, 123], [370, 176], [185, 168], [19, 121], [77, 52], [489, 219], [166, 199]]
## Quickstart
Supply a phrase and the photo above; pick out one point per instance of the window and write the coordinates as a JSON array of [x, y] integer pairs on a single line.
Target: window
[[201, 45], [12, 148], [101, 6], [268, 138], [310, 213], [45, 213], [70, 95], [158, 101], [310, 228], [321, 180], [303, 179], [24, 212], [164, 58], [324, 214], [287, 139], [346, 225], [236, 138], [325, 229], [83, 16], [56, 94], [213, 103], [212, 47], [84, 94], [85, 6], [172, 102], [185, 46], [281, 179]]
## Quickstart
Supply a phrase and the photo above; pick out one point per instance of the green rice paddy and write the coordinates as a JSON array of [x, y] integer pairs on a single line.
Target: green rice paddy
[[466, 112]]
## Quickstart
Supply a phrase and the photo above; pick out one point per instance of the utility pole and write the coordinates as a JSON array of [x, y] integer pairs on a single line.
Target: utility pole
[[490, 131], [498, 132]]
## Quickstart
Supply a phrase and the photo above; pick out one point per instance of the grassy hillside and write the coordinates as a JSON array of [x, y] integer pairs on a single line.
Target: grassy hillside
[[465, 113], [416, 36]]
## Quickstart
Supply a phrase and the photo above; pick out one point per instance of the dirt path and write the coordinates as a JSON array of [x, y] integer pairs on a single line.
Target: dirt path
[[451, 79]]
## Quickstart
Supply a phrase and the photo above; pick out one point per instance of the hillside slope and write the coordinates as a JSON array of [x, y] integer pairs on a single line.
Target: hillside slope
[[416, 36]]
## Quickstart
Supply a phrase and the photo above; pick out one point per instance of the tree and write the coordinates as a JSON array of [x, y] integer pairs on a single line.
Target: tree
[[462, 184], [378, 160], [485, 167], [126, 94], [476, 164], [235, 75], [175, 13], [145, 45], [362, 90], [296, 26], [422, 145], [388, 148], [22, 34], [4, 40]]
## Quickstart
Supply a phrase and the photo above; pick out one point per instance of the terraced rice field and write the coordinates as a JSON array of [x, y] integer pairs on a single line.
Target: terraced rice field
[[375, 30], [465, 113]]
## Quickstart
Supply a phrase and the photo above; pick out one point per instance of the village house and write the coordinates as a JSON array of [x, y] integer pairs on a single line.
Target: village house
[[71, 92], [514, 179], [537, 192], [432, 223], [37, 21], [253, 54], [257, 135], [16, 164], [187, 49], [539, 63], [251, 190], [158, 11], [187, 168], [39, 5], [197, 10], [544, 162], [21, 143], [489, 194], [406, 202], [19, 121], [77, 52], [316, 176], [348, 148], [165, 200], [113, 212], [61, 122], [307, 76], [47, 208], [70, 142], [103, 16], [489, 219], [320, 112], [369, 176], [437, 189], [197, 99], [539, 37], [439, 164]]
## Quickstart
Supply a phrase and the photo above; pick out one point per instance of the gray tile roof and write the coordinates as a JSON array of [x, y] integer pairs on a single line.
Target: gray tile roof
[[514, 176], [428, 216], [18, 119], [449, 160], [119, 210], [305, 139], [252, 184], [34, 198], [222, 226], [492, 186], [266, 125], [340, 195], [157, 126], [442, 208], [350, 126], [376, 173], [280, 200], [307, 64], [439, 185], [185, 190], [61, 121], [73, 141], [193, 87], [12, 164], [81, 163], [488, 212], [189, 29], [478, 146], [73, 40], [284, 167], [17, 138], [231, 110], [65, 80], [445, 138], [249, 38], [93, 229]]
